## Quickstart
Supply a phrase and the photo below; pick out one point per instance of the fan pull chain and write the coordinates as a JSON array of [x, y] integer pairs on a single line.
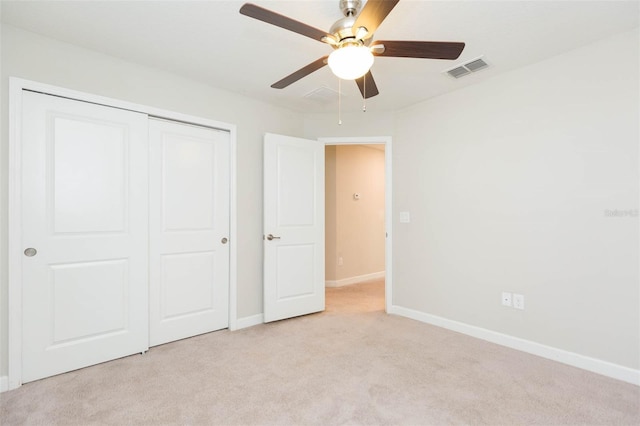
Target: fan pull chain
[[364, 94], [339, 102]]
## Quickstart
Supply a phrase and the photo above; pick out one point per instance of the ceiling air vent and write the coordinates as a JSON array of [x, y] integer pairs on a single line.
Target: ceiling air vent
[[467, 68], [322, 95], [458, 72]]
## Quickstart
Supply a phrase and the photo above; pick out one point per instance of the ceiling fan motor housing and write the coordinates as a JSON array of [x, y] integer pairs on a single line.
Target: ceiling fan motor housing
[[342, 28]]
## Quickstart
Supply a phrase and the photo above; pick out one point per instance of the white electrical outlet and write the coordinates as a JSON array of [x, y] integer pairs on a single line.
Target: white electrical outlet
[[518, 301], [506, 298], [340, 261]]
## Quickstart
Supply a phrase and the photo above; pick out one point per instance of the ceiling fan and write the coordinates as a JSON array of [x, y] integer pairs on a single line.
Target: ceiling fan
[[354, 47]]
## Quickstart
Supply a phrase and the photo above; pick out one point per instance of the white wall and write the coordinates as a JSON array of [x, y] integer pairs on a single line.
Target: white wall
[[508, 183], [354, 228], [32, 57]]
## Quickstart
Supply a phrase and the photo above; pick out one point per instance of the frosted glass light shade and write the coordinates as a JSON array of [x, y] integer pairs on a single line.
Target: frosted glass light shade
[[350, 62]]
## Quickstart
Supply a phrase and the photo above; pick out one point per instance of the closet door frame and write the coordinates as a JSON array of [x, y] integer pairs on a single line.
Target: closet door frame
[[17, 86]]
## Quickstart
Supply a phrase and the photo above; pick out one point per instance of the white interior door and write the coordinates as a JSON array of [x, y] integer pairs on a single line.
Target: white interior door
[[84, 232], [293, 227], [189, 230]]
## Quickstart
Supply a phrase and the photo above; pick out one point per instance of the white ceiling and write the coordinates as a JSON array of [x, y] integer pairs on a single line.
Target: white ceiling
[[211, 42]]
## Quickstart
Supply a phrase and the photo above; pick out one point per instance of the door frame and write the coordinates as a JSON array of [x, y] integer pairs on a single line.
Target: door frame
[[16, 88], [388, 202]]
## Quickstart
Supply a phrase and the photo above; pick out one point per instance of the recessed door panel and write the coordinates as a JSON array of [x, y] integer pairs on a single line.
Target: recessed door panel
[[186, 284], [89, 164], [93, 291], [189, 230], [296, 186], [84, 201], [295, 282], [188, 186]]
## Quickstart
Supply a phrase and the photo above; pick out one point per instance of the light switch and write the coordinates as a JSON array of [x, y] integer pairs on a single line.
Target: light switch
[[405, 217]]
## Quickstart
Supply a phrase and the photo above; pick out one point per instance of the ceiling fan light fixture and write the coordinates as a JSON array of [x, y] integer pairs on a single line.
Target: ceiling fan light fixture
[[350, 61]]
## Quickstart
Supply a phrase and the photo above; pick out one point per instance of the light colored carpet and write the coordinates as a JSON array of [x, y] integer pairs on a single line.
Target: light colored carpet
[[352, 364]]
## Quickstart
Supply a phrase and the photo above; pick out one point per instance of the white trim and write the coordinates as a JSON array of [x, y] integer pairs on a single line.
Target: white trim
[[233, 231], [16, 87], [605, 368], [14, 295], [4, 383], [355, 280], [388, 202], [249, 321]]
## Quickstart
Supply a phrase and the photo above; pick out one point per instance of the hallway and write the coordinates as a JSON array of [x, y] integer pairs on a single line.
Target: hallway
[[356, 298]]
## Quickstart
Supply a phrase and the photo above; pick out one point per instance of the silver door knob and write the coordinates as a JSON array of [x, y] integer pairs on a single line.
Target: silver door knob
[[224, 240], [271, 237], [30, 252]]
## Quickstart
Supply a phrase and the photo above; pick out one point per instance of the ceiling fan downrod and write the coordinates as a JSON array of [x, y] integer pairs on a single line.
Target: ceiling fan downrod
[[350, 7]]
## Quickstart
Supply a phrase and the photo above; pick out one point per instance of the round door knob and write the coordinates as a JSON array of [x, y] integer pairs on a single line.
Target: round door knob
[[224, 240], [30, 252]]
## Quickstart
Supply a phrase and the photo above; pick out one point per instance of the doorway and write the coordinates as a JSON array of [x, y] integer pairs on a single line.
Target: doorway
[[358, 216]]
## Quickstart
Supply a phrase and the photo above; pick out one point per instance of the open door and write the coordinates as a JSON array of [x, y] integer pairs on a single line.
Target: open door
[[293, 227]]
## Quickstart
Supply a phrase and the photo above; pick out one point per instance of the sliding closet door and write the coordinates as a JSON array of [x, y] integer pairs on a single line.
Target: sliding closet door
[[189, 230], [85, 234]]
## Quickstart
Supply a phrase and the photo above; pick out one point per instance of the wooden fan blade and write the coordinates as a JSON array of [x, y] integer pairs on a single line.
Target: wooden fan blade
[[281, 21], [373, 14], [367, 85], [420, 49], [302, 72]]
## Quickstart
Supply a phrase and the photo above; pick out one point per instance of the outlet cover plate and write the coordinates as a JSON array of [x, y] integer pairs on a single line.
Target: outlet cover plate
[[518, 301]]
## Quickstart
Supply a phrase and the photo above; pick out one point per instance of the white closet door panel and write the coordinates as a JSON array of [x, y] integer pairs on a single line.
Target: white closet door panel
[[84, 200], [189, 218]]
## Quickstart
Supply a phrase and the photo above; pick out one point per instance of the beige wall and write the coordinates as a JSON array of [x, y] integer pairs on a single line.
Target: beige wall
[[355, 228], [33, 57]]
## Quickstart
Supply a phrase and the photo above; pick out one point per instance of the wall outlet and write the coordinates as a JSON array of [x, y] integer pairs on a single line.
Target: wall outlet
[[518, 301], [340, 261], [506, 298]]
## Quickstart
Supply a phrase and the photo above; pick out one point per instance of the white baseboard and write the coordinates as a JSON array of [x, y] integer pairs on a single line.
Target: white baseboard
[[4, 383], [355, 280], [249, 321], [605, 368]]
